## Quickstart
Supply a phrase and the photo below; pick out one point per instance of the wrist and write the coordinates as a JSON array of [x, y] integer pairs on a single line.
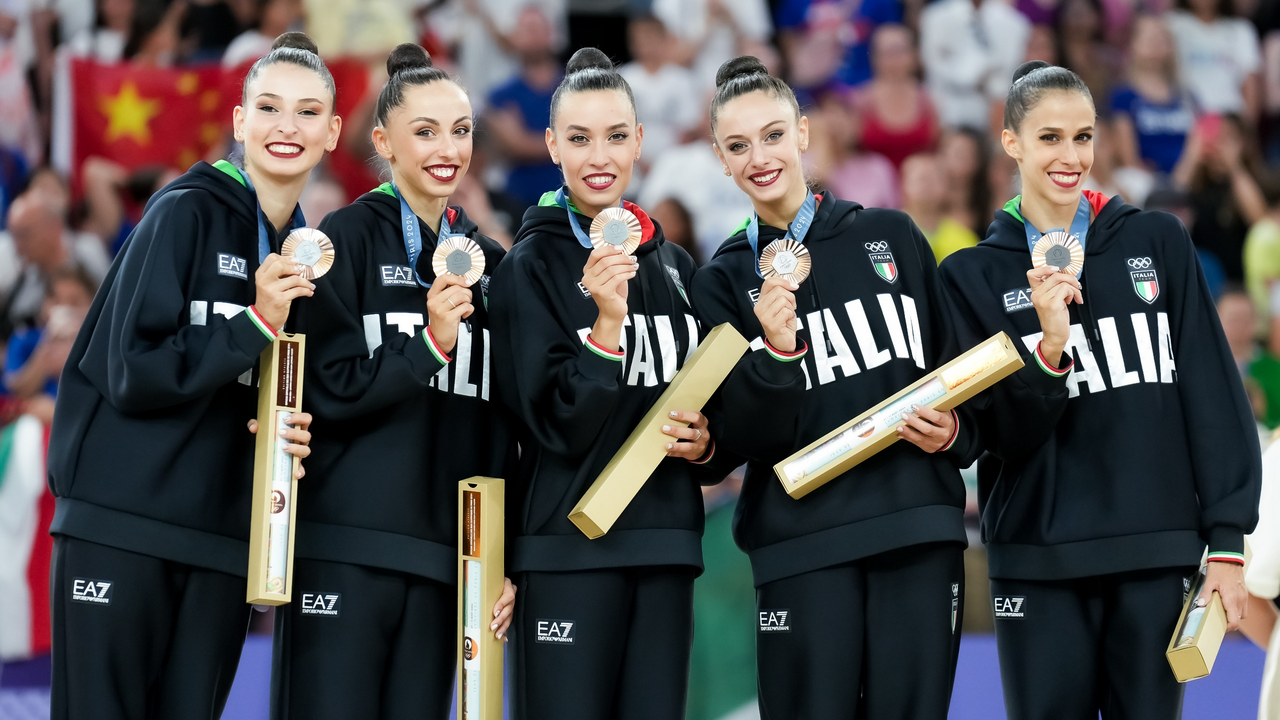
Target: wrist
[[607, 333], [437, 348], [264, 325], [1049, 353], [785, 344]]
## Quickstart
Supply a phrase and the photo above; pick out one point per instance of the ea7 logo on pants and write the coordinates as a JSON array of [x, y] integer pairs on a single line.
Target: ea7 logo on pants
[[558, 632], [1010, 607], [322, 604], [775, 621], [233, 266], [91, 591]]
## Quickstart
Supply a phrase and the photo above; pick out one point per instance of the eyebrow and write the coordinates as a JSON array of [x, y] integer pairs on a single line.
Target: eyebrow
[[273, 96], [433, 121], [1060, 130], [766, 127], [616, 126]]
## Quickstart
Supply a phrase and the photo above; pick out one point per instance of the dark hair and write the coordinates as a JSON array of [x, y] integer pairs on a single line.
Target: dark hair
[[408, 66], [294, 48], [746, 74], [1031, 82], [1225, 9], [588, 70]]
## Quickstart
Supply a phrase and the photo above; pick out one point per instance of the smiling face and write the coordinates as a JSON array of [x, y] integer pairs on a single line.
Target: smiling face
[[428, 140], [1054, 146], [288, 123], [596, 142], [759, 139]]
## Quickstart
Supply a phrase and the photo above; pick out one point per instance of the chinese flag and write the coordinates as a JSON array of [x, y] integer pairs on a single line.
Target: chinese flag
[[139, 116]]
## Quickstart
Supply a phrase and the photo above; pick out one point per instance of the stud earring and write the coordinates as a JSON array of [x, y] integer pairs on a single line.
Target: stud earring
[[727, 173]]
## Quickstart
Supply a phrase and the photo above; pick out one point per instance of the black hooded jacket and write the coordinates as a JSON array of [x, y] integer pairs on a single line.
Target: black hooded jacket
[[149, 451], [873, 321], [578, 406], [1140, 450], [398, 423]]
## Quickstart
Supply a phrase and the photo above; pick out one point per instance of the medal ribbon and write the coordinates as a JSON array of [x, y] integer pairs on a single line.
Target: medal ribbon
[[264, 244], [412, 232], [563, 201], [1079, 228], [797, 231]]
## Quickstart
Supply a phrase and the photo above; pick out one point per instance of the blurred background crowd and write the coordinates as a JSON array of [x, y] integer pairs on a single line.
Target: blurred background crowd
[[104, 101]]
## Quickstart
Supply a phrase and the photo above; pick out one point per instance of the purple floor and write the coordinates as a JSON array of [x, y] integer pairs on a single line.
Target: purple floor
[[1231, 693]]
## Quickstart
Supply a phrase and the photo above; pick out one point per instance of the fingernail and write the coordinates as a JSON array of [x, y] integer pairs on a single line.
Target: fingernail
[[670, 446], [906, 415], [794, 286], [675, 414], [900, 429], [494, 626], [635, 265], [1200, 602], [666, 428], [633, 259], [915, 408], [499, 636]]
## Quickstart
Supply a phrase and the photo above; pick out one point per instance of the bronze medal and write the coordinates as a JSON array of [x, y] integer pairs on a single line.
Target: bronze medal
[[616, 227], [311, 249], [786, 258], [1060, 250], [458, 255]]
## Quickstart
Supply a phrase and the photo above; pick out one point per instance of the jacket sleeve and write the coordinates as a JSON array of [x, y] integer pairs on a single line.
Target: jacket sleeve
[[1021, 412], [561, 386], [345, 378], [1225, 452], [141, 355], [964, 446], [758, 406]]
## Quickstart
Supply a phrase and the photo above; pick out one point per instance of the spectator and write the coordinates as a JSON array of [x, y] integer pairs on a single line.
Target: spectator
[[898, 118], [837, 161], [105, 41], [1151, 112], [1083, 47], [1262, 579], [488, 38], [1259, 370], [970, 49], [520, 110], [1110, 177], [1262, 264], [1042, 44], [274, 17], [1222, 167], [666, 93], [964, 154], [44, 245], [1218, 56], [35, 355], [693, 175], [924, 197], [677, 226], [827, 40], [714, 31]]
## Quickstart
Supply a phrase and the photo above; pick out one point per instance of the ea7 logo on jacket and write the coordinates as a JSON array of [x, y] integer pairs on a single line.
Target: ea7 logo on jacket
[[1017, 299], [556, 632], [233, 266], [396, 276], [1145, 283], [321, 604], [775, 621], [1009, 607], [882, 260], [97, 592]]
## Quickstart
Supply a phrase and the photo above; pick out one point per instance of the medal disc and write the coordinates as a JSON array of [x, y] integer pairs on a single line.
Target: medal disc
[[616, 227], [458, 255], [1060, 250], [786, 258], [311, 249]]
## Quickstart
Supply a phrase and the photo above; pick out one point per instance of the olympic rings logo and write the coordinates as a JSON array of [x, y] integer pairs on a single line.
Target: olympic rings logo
[[877, 246], [1140, 263]]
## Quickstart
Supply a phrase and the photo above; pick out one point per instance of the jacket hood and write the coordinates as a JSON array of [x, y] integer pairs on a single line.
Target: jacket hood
[[1007, 231], [221, 180], [831, 218], [548, 217]]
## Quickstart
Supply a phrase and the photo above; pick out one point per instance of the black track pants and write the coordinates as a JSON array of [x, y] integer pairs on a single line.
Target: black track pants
[[603, 644], [359, 642], [1072, 648], [875, 639], [137, 637]]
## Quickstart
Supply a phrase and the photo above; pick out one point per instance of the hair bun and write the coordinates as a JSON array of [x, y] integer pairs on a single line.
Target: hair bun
[[1027, 68], [587, 58], [407, 56], [740, 66], [296, 40]]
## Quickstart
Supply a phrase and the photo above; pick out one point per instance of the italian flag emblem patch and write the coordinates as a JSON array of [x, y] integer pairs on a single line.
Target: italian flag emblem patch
[[1145, 284], [882, 261]]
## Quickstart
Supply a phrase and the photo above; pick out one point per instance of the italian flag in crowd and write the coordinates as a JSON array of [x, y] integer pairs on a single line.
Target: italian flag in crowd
[[26, 509]]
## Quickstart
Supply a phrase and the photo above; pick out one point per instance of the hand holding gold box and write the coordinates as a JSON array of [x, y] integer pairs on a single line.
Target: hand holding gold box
[[481, 579], [836, 452], [646, 447], [1198, 635], [275, 483]]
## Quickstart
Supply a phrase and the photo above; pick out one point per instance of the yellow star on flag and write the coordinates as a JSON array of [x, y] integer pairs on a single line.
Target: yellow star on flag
[[128, 114]]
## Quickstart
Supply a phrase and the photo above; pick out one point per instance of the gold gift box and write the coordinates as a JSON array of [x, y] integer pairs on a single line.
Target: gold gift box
[[646, 447], [1198, 635], [481, 564], [836, 452], [275, 486]]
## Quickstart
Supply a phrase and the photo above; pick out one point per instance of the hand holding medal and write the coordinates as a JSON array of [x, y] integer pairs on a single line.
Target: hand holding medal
[[309, 249], [458, 255]]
